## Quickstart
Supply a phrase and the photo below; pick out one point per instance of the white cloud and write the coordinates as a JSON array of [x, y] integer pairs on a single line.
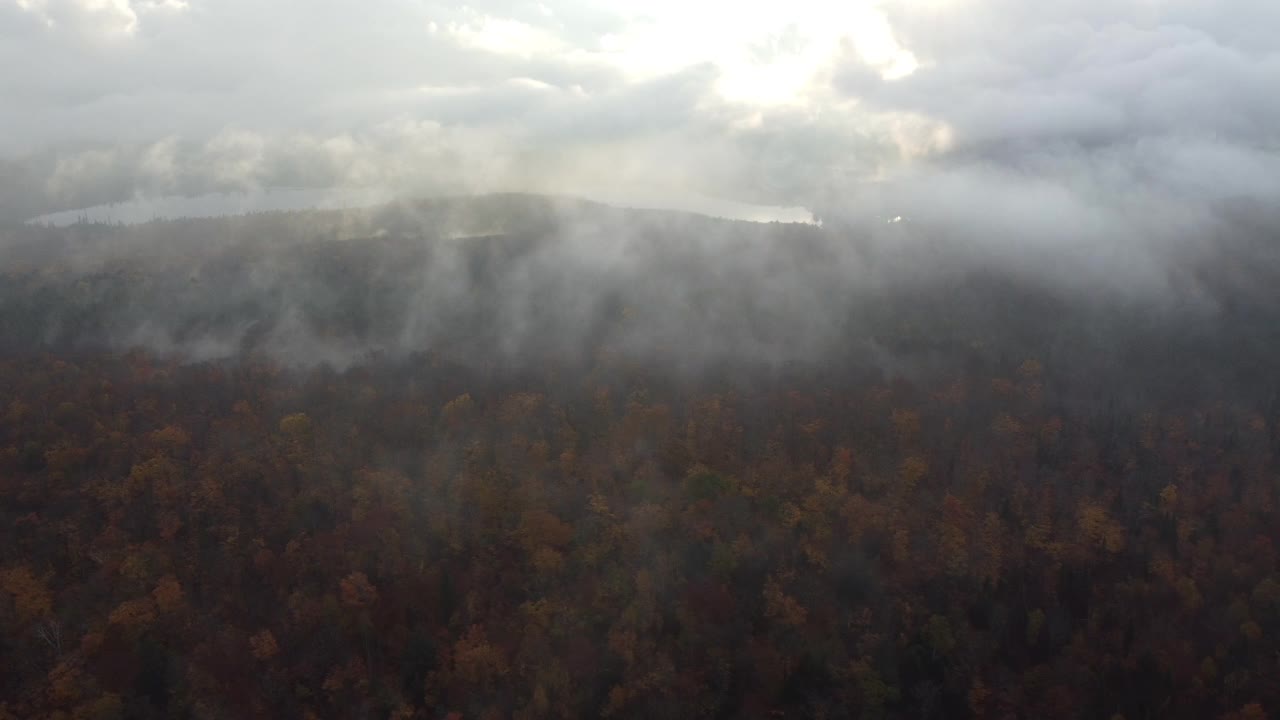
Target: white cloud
[[102, 18], [506, 36]]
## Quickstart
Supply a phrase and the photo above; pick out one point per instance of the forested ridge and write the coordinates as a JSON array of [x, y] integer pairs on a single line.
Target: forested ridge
[[965, 494]]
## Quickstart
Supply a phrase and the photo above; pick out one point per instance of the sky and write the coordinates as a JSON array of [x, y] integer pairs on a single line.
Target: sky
[[1051, 122]]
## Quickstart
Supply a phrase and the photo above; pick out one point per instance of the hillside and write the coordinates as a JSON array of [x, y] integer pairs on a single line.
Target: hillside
[[519, 457]]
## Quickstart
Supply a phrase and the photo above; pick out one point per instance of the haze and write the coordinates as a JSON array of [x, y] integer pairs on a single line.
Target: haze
[[1049, 122]]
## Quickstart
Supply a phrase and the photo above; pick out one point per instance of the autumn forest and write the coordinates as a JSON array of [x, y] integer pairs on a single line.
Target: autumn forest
[[518, 458]]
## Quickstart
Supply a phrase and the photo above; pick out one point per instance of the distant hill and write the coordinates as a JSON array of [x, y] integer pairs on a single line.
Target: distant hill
[[527, 279]]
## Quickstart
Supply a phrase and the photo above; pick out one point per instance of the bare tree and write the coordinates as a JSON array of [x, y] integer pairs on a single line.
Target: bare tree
[[50, 631]]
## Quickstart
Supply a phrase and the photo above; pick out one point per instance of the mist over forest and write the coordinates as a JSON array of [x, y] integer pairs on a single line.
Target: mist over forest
[[515, 454], [511, 281], [876, 359]]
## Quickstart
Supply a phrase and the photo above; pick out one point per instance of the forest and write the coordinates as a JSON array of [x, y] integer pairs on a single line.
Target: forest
[[522, 457]]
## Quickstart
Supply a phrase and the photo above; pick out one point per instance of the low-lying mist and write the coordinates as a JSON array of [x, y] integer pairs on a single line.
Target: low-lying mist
[[518, 281]]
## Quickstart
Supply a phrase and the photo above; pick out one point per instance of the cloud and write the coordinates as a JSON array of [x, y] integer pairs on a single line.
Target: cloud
[[1114, 138], [1052, 79], [101, 18], [608, 80], [1081, 124]]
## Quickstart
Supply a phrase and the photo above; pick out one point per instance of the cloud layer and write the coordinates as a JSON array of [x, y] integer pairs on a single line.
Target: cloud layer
[[1126, 121]]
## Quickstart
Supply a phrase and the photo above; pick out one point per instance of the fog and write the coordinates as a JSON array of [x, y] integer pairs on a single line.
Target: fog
[[170, 207], [1119, 154]]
